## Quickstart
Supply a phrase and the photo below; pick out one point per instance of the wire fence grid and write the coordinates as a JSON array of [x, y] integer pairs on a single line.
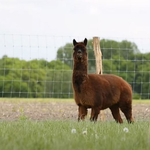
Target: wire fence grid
[[40, 66]]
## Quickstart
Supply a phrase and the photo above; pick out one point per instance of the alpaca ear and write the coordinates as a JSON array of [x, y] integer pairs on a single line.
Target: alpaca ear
[[74, 42], [85, 41]]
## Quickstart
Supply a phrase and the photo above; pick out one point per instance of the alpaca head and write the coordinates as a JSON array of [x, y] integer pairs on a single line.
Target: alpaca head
[[80, 52]]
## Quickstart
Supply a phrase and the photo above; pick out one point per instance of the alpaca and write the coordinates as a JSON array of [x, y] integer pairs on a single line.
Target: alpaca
[[98, 92]]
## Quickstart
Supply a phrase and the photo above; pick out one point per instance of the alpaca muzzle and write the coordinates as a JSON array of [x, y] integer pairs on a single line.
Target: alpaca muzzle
[[79, 54]]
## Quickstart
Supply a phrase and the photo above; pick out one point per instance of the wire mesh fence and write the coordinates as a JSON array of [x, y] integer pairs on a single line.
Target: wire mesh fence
[[40, 66]]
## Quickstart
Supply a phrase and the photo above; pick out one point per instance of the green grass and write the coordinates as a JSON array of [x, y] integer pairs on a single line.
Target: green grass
[[57, 135], [141, 102], [45, 100]]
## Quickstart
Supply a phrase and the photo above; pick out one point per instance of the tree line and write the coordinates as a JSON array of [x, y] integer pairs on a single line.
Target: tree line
[[41, 78], [33, 79]]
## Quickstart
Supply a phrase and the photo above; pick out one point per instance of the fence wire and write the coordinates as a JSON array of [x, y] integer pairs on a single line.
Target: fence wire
[[40, 66]]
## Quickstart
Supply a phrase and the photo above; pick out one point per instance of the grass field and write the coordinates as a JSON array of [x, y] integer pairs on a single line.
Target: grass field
[[26, 133], [70, 135], [45, 100]]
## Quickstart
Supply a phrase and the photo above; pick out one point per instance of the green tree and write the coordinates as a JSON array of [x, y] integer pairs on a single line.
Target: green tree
[[58, 80], [35, 78], [109, 49]]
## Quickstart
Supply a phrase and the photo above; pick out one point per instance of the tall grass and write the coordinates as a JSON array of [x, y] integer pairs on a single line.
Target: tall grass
[[71, 135]]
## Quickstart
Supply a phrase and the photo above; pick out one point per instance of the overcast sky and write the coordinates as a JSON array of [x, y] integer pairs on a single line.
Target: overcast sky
[[71, 18]]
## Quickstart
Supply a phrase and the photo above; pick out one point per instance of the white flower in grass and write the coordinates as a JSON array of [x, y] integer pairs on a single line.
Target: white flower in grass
[[84, 132], [73, 131], [126, 130]]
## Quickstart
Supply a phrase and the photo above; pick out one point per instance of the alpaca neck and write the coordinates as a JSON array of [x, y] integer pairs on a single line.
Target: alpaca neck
[[80, 69], [79, 75]]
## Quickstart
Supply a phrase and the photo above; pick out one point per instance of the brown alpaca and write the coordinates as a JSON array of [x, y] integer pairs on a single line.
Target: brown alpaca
[[98, 92]]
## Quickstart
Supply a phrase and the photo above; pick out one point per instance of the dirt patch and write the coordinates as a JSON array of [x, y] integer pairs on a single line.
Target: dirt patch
[[10, 111]]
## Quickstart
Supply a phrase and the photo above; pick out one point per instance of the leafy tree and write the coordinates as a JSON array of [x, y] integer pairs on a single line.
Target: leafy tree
[[58, 80], [109, 49], [35, 78]]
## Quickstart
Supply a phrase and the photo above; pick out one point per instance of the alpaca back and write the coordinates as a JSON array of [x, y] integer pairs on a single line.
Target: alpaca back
[[102, 90]]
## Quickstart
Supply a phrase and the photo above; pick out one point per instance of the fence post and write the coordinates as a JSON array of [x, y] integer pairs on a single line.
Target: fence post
[[98, 55], [98, 61]]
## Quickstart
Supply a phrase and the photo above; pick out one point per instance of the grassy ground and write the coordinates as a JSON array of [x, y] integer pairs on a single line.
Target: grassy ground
[[25, 133], [71, 135], [45, 100]]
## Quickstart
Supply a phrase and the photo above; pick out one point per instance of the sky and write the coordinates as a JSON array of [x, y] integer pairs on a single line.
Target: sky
[[121, 19]]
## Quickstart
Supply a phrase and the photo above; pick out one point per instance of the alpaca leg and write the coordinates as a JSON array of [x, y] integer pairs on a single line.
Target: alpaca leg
[[127, 110], [82, 112], [94, 114], [116, 114]]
